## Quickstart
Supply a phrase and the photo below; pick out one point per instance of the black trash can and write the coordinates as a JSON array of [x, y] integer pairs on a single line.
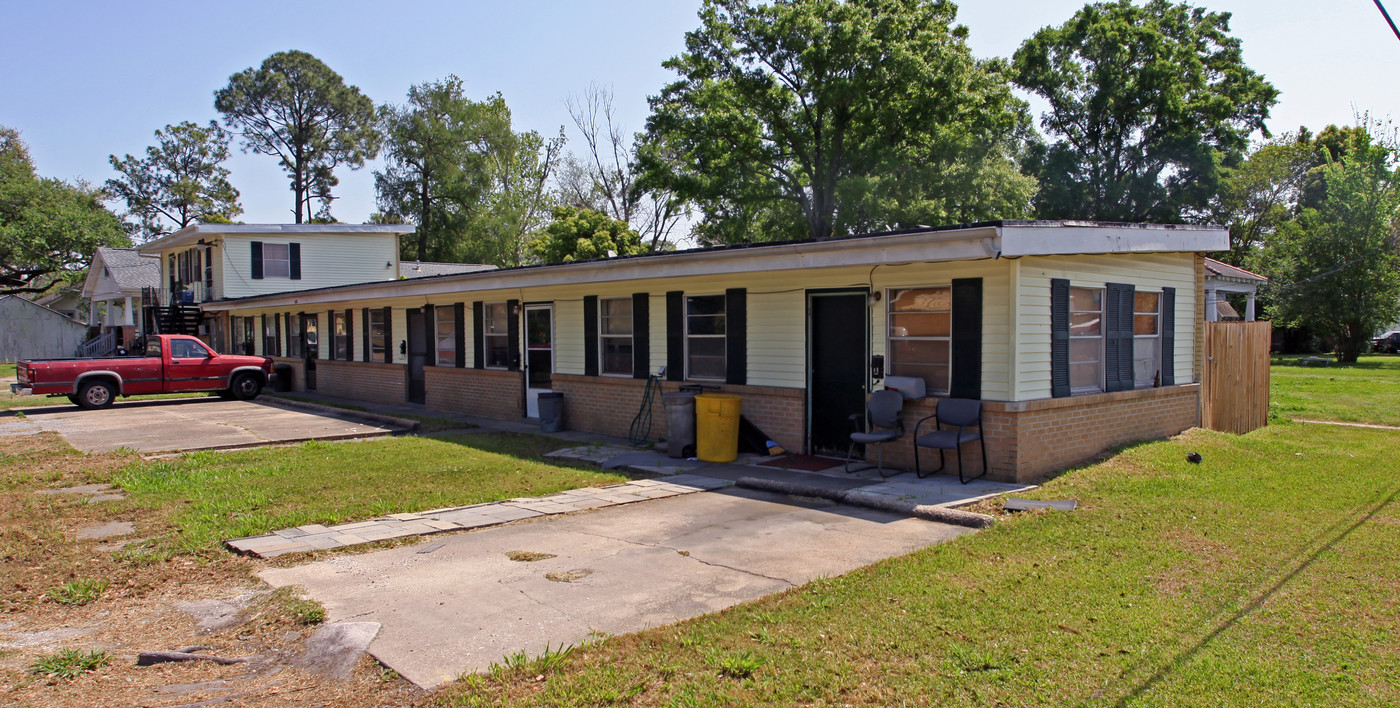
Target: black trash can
[[551, 404], [680, 422], [283, 376]]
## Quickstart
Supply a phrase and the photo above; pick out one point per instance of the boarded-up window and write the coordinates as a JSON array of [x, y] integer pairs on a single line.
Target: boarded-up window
[[1147, 339], [1085, 340], [446, 334], [920, 329]]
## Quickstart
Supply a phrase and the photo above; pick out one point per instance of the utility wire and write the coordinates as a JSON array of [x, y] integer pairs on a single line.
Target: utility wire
[[1386, 15]]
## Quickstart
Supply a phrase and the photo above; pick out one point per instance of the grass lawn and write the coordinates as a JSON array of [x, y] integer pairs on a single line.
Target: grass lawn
[[1365, 392], [427, 423], [7, 371], [1267, 575]]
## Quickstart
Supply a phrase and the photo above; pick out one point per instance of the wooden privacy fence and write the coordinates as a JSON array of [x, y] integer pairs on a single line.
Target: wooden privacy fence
[[1235, 381]]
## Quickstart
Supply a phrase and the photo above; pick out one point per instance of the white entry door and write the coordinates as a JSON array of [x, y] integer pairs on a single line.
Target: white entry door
[[539, 355]]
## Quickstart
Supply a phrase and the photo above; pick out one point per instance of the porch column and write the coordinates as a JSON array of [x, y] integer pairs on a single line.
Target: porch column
[[92, 313], [1249, 308], [127, 320], [1211, 314]]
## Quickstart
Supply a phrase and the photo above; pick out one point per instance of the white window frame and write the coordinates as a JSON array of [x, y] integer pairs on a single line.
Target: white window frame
[[378, 342], [489, 324], [283, 261], [1098, 386], [604, 336], [451, 338], [1157, 336], [724, 338], [890, 338]]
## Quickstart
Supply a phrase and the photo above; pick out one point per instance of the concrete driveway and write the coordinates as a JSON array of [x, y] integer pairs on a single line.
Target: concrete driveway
[[185, 424], [458, 603]]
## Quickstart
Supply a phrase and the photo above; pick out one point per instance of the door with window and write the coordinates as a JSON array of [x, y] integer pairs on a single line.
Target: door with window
[[539, 355], [310, 347]]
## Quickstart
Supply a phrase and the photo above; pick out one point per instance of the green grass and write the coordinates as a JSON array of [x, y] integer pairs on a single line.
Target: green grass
[[214, 496], [78, 592], [7, 371], [1365, 392], [427, 423], [1266, 575], [68, 663]]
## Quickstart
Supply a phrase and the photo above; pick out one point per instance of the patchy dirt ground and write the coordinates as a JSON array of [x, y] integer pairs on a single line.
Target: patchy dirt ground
[[151, 601]]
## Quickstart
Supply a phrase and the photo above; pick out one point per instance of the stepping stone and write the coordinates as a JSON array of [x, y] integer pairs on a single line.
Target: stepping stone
[[1019, 504], [82, 489], [107, 530]]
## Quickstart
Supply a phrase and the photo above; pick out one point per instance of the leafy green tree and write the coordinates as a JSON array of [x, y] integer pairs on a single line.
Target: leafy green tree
[[1263, 193], [578, 234], [1336, 268], [297, 109], [824, 117], [517, 204], [48, 229], [180, 181], [1146, 103], [437, 152]]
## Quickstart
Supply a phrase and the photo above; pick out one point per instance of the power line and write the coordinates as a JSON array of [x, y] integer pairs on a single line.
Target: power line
[[1386, 15]]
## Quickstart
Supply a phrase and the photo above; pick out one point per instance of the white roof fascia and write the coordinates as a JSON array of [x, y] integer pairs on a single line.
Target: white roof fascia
[[1068, 239], [194, 232]]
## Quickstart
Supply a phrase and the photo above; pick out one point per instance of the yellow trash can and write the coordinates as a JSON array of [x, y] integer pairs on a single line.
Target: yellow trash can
[[717, 427]]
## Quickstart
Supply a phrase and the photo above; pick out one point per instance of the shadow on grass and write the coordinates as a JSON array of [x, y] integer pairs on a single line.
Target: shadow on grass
[[1322, 543]]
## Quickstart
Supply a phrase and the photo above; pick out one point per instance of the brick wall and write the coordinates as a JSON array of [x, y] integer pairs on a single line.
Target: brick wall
[[607, 405], [382, 383], [484, 392], [1029, 439]]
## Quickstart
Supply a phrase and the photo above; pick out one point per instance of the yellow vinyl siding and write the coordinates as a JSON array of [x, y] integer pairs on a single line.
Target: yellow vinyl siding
[[568, 336], [1149, 272], [777, 338]]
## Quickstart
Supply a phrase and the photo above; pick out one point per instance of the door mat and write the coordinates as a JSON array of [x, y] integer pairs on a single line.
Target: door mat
[[806, 463]]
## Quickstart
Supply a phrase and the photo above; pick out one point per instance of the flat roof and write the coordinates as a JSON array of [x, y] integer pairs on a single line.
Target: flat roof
[[193, 232], [976, 241]]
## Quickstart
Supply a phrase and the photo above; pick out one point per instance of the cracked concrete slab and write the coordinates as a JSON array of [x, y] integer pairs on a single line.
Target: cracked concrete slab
[[467, 604]]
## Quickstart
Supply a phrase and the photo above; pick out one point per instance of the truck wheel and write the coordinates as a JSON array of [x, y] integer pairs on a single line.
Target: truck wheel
[[246, 387], [96, 394]]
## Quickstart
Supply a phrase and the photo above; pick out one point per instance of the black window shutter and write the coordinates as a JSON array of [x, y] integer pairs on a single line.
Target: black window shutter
[[641, 335], [294, 255], [478, 336], [675, 336], [513, 334], [262, 336], [459, 315], [1118, 337], [388, 336], [430, 335], [1168, 336], [349, 335], [277, 328], [1059, 338], [364, 335], [590, 335], [325, 337], [301, 324], [209, 272], [736, 329], [966, 346], [257, 260]]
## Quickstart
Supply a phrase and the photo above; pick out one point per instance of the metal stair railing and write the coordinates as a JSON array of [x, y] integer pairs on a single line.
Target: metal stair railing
[[104, 345]]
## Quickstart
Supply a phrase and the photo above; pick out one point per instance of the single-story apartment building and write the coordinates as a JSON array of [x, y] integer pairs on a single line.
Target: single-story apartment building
[[1076, 336]]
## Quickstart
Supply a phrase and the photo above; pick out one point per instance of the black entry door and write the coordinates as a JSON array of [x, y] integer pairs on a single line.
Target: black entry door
[[417, 356], [310, 348], [837, 334]]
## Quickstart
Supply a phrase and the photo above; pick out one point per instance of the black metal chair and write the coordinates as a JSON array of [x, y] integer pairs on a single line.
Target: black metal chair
[[886, 425], [958, 414]]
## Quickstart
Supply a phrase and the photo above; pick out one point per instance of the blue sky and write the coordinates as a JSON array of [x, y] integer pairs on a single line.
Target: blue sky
[[83, 80]]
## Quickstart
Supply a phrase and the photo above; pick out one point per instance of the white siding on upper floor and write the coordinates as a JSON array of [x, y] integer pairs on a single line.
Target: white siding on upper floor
[[327, 259], [1147, 272]]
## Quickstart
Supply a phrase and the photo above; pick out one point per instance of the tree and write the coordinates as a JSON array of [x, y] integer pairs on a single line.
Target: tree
[[438, 153], [48, 229], [823, 117], [609, 178], [1336, 268], [295, 108], [578, 234], [1146, 103], [516, 206], [181, 180], [1262, 194]]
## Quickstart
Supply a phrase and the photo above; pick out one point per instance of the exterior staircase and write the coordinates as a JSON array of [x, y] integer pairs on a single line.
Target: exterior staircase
[[172, 318]]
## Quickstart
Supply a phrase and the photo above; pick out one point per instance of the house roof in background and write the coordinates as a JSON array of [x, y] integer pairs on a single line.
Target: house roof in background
[[425, 269], [128, 268], [1225, 270], [192, 234]]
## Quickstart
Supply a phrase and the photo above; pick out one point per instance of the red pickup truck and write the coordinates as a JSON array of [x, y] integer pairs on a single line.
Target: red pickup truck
[[172, 364]]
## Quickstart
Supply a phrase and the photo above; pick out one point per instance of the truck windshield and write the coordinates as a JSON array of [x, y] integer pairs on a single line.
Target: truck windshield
[[153, 347]]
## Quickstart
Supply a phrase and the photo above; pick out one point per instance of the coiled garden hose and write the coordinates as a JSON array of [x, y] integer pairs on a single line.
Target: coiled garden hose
[[640, 432]]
